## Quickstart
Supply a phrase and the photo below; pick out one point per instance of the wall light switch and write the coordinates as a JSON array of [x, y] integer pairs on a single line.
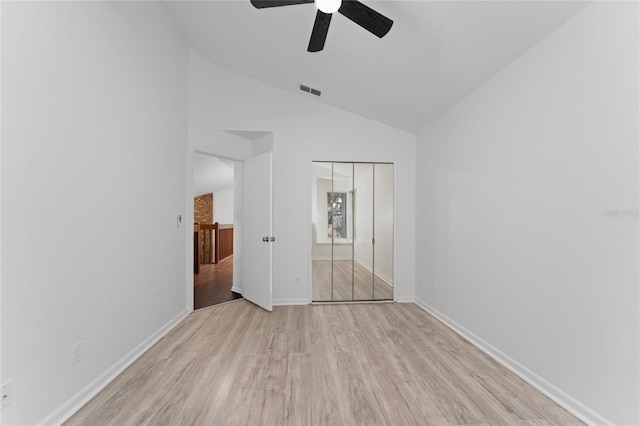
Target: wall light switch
[[77, 353]]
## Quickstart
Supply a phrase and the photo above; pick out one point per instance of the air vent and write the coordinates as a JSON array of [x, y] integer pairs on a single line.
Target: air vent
[[310, 90]]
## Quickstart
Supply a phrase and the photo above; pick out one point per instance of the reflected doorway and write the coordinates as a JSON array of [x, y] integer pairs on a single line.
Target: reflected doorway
[[352, 231], [213, 230]]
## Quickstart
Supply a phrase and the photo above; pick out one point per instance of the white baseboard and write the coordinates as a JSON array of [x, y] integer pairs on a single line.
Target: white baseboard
[[286, 302], [69, 408], [575, 407], [405, 299], [332, 258], [236, 289], [388, 281], [385, 279]]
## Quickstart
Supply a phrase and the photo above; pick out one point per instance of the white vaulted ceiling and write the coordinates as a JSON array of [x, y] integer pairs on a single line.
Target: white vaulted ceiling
[[211, 174], [436, 53]]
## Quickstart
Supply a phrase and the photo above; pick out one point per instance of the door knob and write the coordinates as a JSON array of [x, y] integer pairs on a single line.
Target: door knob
[[265, 239]]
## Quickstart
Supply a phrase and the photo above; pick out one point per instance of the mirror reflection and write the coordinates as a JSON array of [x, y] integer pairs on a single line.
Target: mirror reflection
[[352, 220], [337, 208], [342, 244]]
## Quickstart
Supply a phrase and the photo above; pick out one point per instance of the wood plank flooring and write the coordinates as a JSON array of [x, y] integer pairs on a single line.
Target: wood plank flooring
[[366, 286], [213, 284], [373, 364]]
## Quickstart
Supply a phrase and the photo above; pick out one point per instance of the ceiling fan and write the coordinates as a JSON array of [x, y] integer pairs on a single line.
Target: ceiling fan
[[362, 15]]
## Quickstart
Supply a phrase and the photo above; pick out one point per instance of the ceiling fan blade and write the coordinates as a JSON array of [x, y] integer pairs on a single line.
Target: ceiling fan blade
[[261, 4], [366, 17], [319, 33]]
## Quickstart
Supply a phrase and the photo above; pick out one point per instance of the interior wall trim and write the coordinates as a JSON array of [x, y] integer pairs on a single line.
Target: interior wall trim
[[368, 268], [332, 258], [69, 408], [289, 302], [560, 397]]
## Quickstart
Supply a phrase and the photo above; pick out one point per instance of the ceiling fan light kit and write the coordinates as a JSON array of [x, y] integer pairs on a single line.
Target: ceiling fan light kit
[[328, 6], [357, 12]]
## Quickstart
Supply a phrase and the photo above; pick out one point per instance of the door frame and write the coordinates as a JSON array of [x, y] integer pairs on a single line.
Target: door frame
[[310, 182], [236, 145]]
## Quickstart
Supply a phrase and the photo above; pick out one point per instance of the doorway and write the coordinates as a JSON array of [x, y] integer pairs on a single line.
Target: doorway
[[213, 233], [352, 231], [251, 153]]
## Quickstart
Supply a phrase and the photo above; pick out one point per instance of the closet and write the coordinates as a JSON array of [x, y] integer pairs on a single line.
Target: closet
[[352, 231]]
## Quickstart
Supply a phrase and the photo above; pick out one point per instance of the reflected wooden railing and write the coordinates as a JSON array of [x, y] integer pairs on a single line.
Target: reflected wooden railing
[[207, 242], [212, 243], [196, 248], [224, 242]]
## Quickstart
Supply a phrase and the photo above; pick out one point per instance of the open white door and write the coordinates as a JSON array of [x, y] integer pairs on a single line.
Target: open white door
[[257, 235]]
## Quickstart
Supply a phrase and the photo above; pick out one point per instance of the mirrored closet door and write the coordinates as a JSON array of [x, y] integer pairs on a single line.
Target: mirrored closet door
[[352, 221]]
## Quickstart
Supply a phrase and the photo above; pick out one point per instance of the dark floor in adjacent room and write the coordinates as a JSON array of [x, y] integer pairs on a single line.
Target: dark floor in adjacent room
[[213, 284]]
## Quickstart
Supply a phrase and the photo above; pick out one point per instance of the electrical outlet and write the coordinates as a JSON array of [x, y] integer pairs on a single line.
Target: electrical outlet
[[297, 280], [6, 395], [77, 353]]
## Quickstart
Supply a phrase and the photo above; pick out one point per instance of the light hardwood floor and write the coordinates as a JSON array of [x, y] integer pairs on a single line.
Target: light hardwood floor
[[374, 364], [365, 286]]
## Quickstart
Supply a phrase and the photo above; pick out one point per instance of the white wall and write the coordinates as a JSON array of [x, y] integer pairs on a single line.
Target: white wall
[[303, 130], [513, 189], [223, 206], [94, 128]]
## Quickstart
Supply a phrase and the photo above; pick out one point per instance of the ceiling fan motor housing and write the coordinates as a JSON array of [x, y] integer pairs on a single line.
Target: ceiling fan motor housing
[[357, 12]]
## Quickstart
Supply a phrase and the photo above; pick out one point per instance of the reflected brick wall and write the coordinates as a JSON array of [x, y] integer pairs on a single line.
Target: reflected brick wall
[[203, 213]]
